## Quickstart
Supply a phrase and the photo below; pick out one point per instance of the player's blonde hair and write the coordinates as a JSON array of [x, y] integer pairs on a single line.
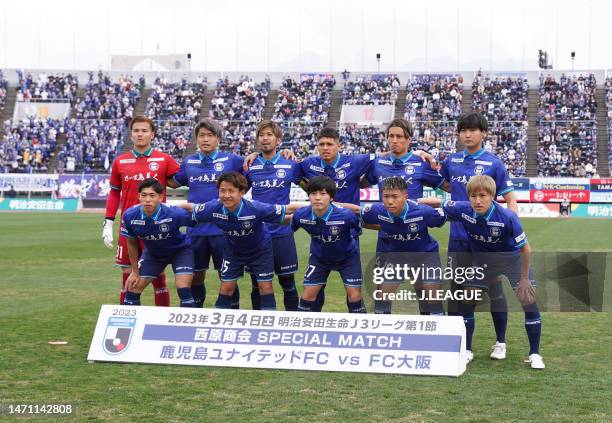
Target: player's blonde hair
[[481, 183]]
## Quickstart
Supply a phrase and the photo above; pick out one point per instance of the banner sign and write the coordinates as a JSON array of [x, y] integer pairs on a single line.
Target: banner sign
[[562, 184], [11, 204], [367, 114], [601, 185], [317, 77], [601, 197], [521, 184], [374, 343], [35, 182], [592, 210], [91, 187], [547, 195]]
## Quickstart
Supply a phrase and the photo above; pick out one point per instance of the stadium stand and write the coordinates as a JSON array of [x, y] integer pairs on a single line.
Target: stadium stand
[[3, 91], [608, 88], [433, 104], [362, 139], [373, 89], [105, 99], [567, 131], [47, 87], [238, 106], [302, 109], [28, 144], [504, 102]]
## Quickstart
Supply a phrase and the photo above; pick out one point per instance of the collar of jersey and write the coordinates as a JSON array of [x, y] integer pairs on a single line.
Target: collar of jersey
[[334, 163], [273, 160], [211, 156], [237, 214], [402, 214], [475, 155], [487, 215], [147, 153], [325, 217], [404, 158], [155, 214]]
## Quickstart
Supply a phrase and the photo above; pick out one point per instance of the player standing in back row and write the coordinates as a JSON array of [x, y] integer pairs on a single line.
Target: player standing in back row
[[128, 170]]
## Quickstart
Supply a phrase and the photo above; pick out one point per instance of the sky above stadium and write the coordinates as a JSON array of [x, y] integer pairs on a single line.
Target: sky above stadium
[[313, 35]]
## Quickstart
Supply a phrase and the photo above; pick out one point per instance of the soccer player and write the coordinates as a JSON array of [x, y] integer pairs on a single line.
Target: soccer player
[[402, 163], [270, 177], [457, 170], [499, 245], [248, 241], [200, 172], [128, 170], [406, 241], [158, 226], [333, 246]]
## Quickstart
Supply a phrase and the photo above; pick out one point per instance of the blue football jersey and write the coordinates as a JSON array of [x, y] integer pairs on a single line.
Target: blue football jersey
[[270, 182], [160, 232], [346, 171], [410, 168], [200, 172], [333, 235], [244, 229], [458, 168], [498, 230], [408, 231]]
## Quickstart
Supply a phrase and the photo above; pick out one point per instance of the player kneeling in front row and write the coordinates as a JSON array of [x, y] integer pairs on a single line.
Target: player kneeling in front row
[[248, 241], [405, 242], [158, 225], [333, 246], [499, 246]]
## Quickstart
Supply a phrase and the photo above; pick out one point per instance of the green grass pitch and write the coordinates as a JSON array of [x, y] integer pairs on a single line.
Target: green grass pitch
[[55, 273]]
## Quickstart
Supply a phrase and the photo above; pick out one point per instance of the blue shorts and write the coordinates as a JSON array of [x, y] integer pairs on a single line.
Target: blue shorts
[[182, 263], [260, 263], [285, 255], [498, 267], [349, 269], [459, 253], [206, 246], [425, 266]]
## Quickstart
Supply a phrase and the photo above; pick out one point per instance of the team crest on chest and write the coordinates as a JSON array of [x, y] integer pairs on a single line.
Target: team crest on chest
[[281, 173], [495, 231], [479, 170], [153, 166], [247, 224], [413, 227], [409, 170], [164, 228], [341, 174], [334, 230], [219, 167]]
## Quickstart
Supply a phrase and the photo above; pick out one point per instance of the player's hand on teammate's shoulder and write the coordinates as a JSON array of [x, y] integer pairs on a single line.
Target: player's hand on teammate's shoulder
[[186, 206], [248, 161], [288, 154], [424, 155]]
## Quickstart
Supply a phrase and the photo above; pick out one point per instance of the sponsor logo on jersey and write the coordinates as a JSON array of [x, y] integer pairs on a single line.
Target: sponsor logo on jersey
[[520, 237], [138, 222], [122, 161], [140, 176], [483, 162], [457, 160], [193, 161], [155, 159], [167, 220], [220, 216], [468, 218], [414, 219], [308, 222]]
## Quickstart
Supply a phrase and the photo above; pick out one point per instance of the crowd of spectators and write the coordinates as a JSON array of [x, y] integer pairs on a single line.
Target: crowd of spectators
[[176, 102], [47, 87], [433, 105], [173, 137], [357, 139], [608, 87], [504, 101], [238, 106], [27, 145], [105, 99], [566, 149], [91, 145], [3, 90], [374, 89], [302, 109], [567, 130]]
